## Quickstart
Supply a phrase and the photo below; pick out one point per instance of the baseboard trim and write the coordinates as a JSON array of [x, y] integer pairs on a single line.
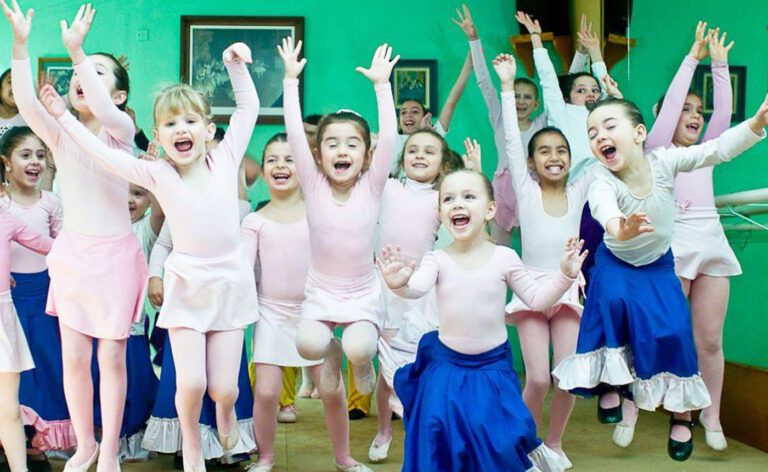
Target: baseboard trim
[[744, 413]]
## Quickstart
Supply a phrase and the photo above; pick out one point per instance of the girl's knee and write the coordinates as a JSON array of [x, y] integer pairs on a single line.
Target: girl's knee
[[537, 384], [10, 412], [223, 394], [360, 342], [312, 339], [267, 393]]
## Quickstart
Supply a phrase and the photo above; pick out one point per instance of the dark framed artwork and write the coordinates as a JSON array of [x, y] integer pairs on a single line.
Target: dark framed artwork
[[204, 38], [703, 84], [415, 79], [57, 71]]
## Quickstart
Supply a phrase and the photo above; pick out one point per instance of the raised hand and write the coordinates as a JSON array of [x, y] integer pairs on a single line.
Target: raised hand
[[151, 154], [584, 28], [52, 101], [758, 122], [611, 87], [381, 65], [237, 53], [73, 37], [465, 23], [473, 157], [426, 121], [394, 271], [633, 225], [21, 24], [290, 55], [718, 51], [530, 24], [591, 42], [573, 258], [699, 47], [505, 67]]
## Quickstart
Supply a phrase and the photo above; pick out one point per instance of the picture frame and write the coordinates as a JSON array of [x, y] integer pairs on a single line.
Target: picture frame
[[415, 79], [57, 71], [703, 84], [204, 39]]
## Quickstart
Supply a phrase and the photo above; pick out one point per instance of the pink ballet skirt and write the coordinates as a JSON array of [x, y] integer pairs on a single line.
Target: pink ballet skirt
[[344, 300], [209, 293], [569, 299], [274, 336], [14, 350], [97, 284], [700, 246]]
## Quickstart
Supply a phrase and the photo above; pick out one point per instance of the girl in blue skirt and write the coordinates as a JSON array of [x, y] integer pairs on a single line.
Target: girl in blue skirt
[[453, 418], [635, 338]]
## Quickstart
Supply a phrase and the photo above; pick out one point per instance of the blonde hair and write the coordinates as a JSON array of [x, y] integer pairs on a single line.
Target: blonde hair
[[181, 98]]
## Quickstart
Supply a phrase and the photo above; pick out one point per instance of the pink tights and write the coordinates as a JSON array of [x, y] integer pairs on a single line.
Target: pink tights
[[266, 399], [11, 429], [205, 360], [536, 332], [77, 350]]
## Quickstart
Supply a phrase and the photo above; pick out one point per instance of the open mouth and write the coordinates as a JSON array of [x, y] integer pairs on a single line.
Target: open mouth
[[522, 108], [342, 167], [693, 127], [554, 170], [608, 152], [460, 221], [409, 122], [281, 178], [183, 145], [32, 173], [79, 92], [419, 165]]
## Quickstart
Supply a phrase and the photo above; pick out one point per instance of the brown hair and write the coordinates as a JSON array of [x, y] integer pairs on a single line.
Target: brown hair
[[447, 163], [277, 138], [122, 82], [12, 138]]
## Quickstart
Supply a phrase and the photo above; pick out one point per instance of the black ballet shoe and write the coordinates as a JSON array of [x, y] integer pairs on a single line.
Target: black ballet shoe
[[609, 415], [680, 451], [35, 465], [356, 414], [178, 462]]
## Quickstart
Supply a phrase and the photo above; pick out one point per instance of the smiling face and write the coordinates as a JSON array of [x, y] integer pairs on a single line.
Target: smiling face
[[343, 153], [551, 157], [465, 205], [6, 93], [526, 100], [584, 89], [411, 114], [26, 162], [138, 202], [691, 122], [105, 69], [614, 139], [278, 168], [422, 157], [183, 136]]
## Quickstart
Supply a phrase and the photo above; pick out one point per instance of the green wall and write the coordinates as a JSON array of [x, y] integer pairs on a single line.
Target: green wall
[[421, 29]]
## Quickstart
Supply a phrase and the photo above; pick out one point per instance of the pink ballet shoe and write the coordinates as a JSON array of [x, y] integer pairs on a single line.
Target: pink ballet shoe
[[68, 467], [715, 438], [229, 441], [379, 453], [353, 468]]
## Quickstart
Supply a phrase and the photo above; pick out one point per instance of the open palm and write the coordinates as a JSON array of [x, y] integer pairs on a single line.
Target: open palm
[[381, 65], [73, 36], [21, 24], [290, 55]]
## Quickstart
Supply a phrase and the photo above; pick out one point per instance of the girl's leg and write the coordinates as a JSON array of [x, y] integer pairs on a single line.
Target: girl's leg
[[112, 388], [709, 303], [564, 330], [307, 385], [76, 352], [266, 396], [315, 341], [336, 419], [11, 429], [224, 351], [188, 348], [360, 343], [383, 393], [533, 331]]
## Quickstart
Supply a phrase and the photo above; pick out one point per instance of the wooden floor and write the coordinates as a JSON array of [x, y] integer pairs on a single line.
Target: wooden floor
[[304, 447]]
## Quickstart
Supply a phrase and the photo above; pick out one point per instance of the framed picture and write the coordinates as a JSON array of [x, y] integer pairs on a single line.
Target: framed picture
[[415, 80], [57, 71], [703, 84], [204, 38]]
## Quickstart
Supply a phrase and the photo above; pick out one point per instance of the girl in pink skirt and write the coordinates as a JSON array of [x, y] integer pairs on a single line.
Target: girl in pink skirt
[[343, 180], [98, 273], [210, 291], [14, 351]]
